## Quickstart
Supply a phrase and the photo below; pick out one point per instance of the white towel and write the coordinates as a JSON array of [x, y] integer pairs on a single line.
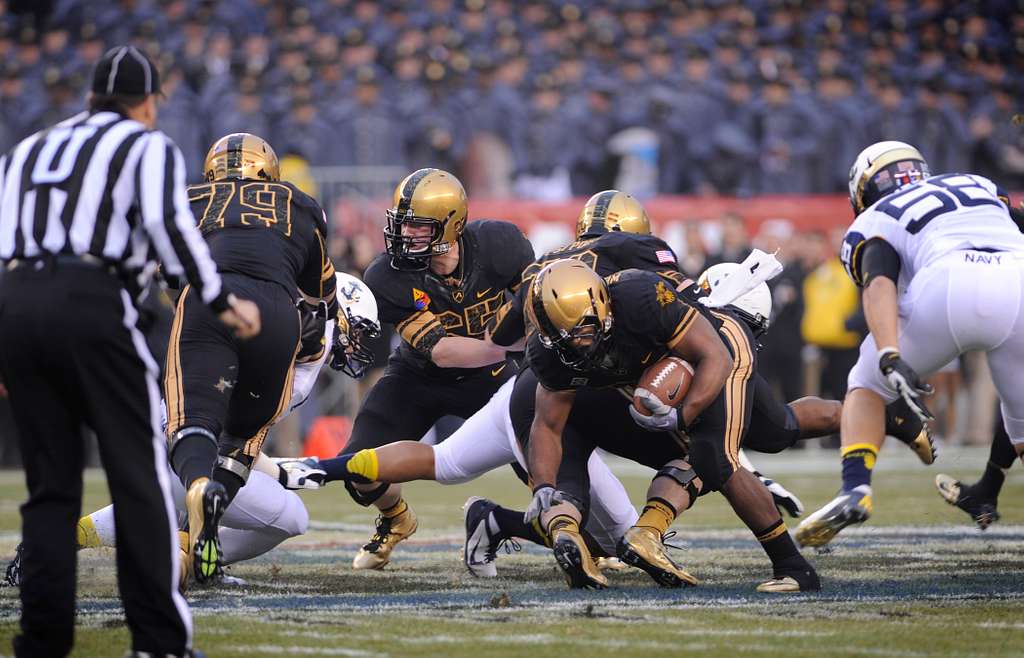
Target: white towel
[[755, 270]]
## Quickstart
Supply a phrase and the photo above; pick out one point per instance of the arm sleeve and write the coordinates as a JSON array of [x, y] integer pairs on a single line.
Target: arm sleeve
[[878, 258], [657, 310], [418, 327], [168, 220], [509, 324]]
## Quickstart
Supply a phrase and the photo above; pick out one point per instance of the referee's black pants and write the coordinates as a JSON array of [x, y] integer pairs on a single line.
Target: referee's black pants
[[70, 354]]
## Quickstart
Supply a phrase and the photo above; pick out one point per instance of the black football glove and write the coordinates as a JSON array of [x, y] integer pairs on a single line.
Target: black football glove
[[906, 382]]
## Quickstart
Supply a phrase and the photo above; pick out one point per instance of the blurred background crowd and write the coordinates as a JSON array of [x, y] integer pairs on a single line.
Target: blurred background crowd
[[557, 99]]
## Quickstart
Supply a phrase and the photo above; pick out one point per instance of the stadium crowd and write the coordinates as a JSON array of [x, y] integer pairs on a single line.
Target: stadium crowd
[[552, 99], [561, 98]]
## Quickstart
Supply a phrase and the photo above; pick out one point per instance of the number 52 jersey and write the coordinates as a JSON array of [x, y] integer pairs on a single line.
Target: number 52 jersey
[[266, 230], [932, 218]]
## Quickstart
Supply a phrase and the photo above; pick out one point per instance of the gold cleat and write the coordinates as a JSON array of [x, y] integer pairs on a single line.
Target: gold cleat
[[641, 547], [186, 563], [205, 501], [574, 560], [924, 447], [390, 530]]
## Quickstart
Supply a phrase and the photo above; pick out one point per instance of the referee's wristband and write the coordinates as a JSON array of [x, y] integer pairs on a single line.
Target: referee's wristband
[[221, 302]]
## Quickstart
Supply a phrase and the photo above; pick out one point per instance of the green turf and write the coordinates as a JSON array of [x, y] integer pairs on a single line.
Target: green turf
[[916, 581]]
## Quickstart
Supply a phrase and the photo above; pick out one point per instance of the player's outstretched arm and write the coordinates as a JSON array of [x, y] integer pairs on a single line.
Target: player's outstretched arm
[[545, 449], [463, 352]]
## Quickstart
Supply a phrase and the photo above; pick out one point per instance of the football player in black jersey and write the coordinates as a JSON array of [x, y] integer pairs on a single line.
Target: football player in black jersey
[[439, 282], [269, 239], [595, 334]]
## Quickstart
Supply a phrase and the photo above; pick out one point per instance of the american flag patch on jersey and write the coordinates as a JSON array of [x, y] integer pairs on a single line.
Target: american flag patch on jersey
[[665, 256]]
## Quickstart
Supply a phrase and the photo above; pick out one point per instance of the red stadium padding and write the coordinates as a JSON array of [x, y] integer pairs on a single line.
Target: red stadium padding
[[327, 436], [804, 212]]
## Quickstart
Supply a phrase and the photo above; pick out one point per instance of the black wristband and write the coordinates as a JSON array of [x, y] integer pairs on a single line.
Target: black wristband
[[282, 476], [219, 304]]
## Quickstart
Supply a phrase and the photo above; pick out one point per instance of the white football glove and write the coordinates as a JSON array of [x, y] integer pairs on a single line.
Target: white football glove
[[300, 473], [906, 381], [783, 498], [663, 418]]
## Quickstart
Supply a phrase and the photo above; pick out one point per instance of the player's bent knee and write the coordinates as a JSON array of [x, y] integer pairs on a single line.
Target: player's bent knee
[[446, 467], [294, 518], [684, 475]]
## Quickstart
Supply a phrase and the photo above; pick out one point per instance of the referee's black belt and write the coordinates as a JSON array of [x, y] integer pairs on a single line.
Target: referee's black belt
[[87, 261]]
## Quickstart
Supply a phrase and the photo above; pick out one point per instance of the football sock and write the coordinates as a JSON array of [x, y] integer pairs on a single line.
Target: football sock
[[361, 467], [779, 546], [658, 514], [901, 422], [858, 460], [399, 508], [1000, 458], [193, 457], [511, 524]]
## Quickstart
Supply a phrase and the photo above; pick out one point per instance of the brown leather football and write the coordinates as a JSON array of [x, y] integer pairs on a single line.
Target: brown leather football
[[668, 380]]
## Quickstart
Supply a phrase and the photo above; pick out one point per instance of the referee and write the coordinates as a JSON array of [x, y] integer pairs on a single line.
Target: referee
[[81, 205]]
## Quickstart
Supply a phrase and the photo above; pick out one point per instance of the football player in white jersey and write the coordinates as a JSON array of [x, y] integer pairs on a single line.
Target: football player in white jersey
[[266, 510], [941, 266]]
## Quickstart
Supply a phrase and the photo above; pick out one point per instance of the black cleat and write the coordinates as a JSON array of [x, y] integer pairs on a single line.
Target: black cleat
[[981, 510]]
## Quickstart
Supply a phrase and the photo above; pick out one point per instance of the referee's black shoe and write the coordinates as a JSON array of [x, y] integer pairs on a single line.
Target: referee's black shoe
[[205, 501]]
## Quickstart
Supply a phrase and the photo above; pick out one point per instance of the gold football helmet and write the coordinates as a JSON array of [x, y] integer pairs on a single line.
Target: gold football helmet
[[883, 168], [243, 156], [426, 199], [571, 308], [613, 210]]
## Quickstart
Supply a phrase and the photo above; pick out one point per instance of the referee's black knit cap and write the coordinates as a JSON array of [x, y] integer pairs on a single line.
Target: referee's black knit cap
[[124, 71]]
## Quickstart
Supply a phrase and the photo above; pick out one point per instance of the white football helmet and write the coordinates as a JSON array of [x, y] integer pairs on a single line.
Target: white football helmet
[[350, 354], [883, 168], [755, 306]]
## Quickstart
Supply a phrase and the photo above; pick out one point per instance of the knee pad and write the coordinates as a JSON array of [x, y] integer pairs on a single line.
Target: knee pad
[[191, 431], [684, 475], [366, 498], [234, 461]]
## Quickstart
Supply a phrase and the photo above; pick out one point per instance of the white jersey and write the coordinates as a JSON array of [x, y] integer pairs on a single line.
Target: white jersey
[[932, 218]]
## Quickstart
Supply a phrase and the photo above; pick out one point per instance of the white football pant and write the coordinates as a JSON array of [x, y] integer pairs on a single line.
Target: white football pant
[[968, 300]]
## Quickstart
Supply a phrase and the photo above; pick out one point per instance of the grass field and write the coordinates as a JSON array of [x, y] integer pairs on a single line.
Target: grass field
[[916, 581]]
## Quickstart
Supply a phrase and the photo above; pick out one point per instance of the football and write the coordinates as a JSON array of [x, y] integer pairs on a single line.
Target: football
[[668, 380]]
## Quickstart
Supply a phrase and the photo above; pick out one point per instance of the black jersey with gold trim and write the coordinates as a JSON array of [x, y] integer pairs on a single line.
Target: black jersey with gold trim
[[425, 307], [605, 253], [266, 230], [648, 320]]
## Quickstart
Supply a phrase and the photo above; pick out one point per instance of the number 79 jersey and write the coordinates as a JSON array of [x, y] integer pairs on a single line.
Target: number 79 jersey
[[927, 220], [266, 230]]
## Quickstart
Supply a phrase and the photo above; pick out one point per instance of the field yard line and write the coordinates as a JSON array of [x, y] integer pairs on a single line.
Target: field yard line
[[276, 650]]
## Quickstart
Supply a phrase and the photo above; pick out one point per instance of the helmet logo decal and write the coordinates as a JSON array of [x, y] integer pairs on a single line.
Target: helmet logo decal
[[420, 299], [350, 291]]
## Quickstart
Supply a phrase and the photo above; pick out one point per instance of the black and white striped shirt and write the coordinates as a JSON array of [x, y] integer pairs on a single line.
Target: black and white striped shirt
[[104, 186]]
